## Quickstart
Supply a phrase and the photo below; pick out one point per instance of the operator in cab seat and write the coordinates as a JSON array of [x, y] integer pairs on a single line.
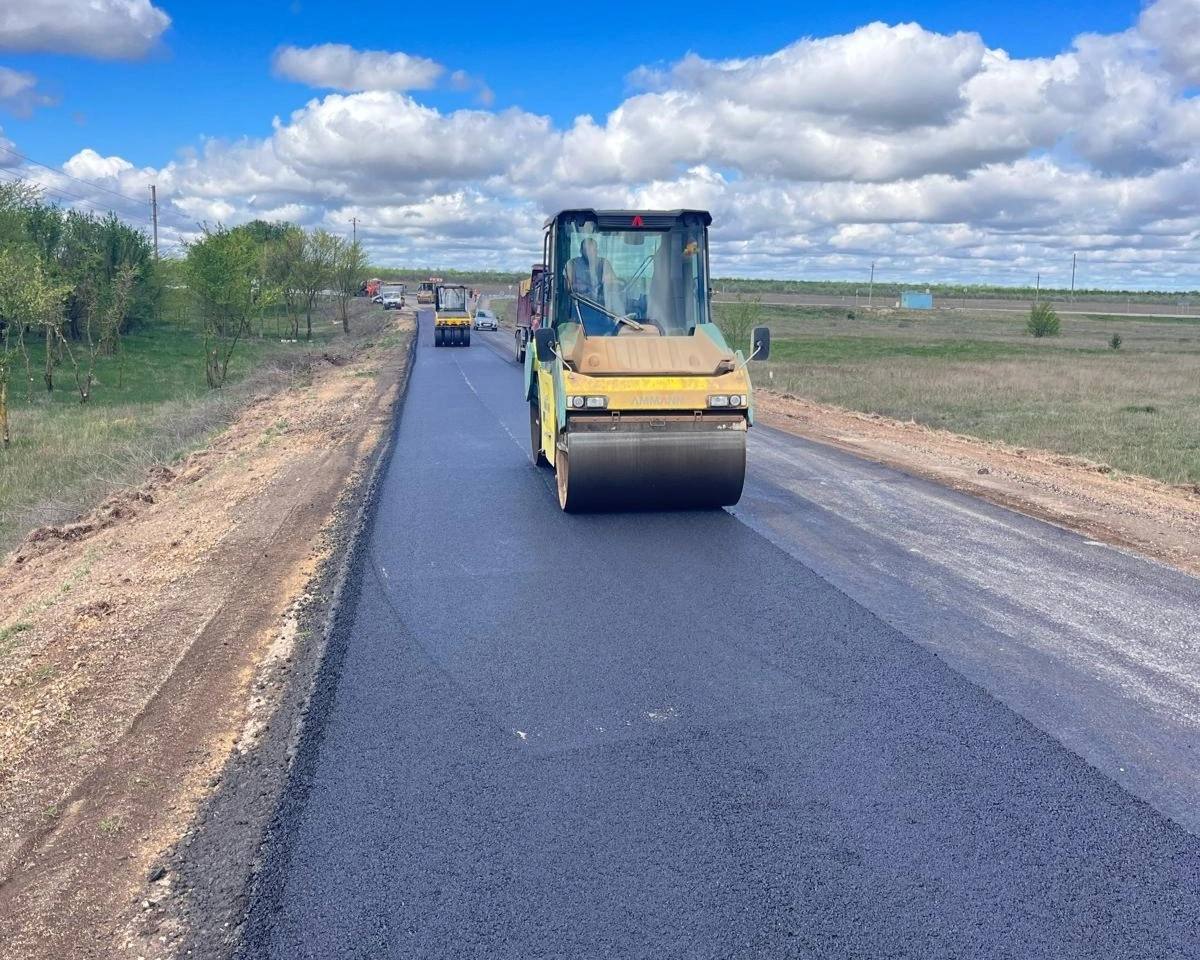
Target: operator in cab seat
[[590, 275]]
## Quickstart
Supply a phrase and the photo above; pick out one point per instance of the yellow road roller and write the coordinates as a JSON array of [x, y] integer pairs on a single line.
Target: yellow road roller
[[635, 398], [425, 291], [451, 319]]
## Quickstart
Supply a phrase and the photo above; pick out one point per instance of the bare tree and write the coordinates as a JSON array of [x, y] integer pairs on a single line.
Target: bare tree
[[738, 319]]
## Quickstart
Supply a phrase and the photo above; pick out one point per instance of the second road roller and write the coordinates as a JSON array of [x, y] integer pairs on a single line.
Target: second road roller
[[635, 398], [451, 318]]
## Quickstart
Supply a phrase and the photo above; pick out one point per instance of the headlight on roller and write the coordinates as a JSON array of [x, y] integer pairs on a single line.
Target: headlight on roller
[[719, 400], [591, 403]]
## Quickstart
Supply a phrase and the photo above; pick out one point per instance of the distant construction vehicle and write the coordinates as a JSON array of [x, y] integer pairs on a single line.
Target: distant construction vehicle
[[451, 319], [635, 398], [426, 291], [529, 304]]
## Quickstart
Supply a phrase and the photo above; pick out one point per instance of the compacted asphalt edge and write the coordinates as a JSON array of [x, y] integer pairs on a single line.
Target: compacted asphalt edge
[[265, 885]]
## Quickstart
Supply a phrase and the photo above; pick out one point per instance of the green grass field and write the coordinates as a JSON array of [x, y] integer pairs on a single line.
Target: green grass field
[[885, 290], [1136, 408], [149, 406]]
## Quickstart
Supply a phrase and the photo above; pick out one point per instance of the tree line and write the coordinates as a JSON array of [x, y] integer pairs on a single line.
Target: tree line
[[237, 275], [74, 283]]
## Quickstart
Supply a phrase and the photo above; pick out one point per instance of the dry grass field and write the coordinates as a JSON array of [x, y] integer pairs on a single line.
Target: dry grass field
[[1136, 408]]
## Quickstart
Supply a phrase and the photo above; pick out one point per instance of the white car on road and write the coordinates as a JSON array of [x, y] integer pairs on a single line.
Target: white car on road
[[485, 320], [392, 297]]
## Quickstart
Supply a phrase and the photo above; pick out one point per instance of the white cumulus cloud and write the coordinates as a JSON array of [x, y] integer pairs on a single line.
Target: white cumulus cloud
[[1173, 26], [109, 29], [336, 66]]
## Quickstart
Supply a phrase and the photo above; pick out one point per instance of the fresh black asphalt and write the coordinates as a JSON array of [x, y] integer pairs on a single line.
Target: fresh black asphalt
[[661, 735], [1094, 645]]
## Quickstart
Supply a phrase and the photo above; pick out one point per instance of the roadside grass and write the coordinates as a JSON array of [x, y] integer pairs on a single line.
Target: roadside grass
[[885, 291], [149, 406], [1136, 409]]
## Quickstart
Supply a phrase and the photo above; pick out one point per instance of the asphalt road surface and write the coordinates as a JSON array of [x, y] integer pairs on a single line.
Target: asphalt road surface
[[856, 716]]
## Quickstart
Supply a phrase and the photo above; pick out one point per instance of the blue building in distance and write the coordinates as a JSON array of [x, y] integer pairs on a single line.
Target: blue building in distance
[[913, 300]]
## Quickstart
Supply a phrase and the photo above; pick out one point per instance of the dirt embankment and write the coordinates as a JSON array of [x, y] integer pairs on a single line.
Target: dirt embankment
[[134, 644], [1159, 520]]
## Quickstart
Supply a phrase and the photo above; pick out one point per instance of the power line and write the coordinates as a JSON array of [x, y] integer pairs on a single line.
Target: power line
[[56, 193], [62, 173], [71, 198]]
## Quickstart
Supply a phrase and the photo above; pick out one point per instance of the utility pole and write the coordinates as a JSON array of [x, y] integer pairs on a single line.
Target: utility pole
[[871, 286], [154, 214], [1037, 296], [354, 227], [1072, 276]]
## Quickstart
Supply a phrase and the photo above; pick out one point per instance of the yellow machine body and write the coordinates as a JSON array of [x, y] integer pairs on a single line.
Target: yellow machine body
[[636, 400], [451, 316]]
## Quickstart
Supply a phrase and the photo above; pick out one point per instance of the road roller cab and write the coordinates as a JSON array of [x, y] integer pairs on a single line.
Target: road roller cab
[[451, 319], [635, 398]]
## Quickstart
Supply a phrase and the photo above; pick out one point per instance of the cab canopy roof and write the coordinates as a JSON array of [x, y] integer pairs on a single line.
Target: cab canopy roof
[[630, 219]]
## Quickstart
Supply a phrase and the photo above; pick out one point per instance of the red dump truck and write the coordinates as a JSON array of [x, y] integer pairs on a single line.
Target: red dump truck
[[529, 309]]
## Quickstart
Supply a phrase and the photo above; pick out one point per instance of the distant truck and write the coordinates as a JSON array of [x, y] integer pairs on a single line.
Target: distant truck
[[391, 295], [370, 288], [529, 309]]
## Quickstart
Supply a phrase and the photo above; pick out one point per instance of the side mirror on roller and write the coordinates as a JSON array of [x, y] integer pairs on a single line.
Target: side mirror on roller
[[761, 343], [545, 340]]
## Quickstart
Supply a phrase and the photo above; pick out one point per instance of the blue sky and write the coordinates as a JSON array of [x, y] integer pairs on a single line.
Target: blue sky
[[212, 77], [953, 142]]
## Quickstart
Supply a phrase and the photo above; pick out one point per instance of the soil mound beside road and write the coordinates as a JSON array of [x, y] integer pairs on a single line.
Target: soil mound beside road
[[133, 644]]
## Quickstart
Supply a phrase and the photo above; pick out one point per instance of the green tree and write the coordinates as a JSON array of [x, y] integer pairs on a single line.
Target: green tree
[[29, 299], [349, 271], [281, 264], [264, 232], [314, 272], [103, 310], [92, 252], [222, 270], [1043, 321]]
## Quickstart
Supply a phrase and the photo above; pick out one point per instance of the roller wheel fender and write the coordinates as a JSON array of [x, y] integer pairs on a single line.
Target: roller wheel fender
[[535, 434]]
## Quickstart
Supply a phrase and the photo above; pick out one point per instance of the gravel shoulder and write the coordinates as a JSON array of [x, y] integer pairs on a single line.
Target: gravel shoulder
[[1152, 518], [148, 646]]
